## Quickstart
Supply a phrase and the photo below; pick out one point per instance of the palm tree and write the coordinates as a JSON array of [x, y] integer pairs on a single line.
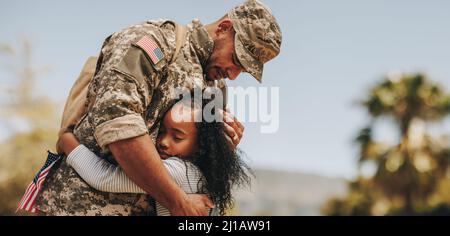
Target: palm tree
[[410, 169]]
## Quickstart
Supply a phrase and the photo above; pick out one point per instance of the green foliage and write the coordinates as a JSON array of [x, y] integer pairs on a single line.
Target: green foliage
[[357, 203], [411, 174]]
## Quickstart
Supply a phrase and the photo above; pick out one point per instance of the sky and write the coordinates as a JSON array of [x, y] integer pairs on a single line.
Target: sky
[[332, 53]]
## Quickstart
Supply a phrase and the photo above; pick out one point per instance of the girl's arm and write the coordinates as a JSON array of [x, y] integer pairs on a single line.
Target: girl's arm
[[100, 174]]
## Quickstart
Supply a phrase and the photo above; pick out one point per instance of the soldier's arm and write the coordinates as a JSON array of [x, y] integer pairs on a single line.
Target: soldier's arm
[[117, 115]]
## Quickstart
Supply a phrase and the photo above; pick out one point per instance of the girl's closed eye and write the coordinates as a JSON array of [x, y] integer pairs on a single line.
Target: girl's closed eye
[[178, 139], [179, 135]]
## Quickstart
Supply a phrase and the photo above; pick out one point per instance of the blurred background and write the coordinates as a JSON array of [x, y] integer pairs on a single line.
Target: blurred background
[[364, 99]]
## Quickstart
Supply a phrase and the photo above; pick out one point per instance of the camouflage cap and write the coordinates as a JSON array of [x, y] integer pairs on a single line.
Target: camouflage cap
[[258, 36]]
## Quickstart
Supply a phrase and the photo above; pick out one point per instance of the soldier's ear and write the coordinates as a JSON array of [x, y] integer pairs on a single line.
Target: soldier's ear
[[224, 26]]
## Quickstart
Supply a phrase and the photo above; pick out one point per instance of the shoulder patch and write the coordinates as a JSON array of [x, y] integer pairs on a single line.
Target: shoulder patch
[[151, 49]]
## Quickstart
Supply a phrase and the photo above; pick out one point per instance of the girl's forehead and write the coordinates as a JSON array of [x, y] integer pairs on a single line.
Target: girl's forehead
[[183, 111], [181, 114]]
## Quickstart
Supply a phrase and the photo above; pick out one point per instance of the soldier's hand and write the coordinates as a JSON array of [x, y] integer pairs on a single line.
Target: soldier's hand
[[234, 129], [195, 205]]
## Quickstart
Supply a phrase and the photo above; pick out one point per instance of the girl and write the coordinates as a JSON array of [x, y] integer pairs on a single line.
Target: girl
[[196, 154]]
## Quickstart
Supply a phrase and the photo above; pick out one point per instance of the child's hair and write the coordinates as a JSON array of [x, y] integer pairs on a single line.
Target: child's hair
[[221, 164]]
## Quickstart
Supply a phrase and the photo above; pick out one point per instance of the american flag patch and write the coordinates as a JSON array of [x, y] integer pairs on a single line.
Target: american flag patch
[[151, 48], [28, 200]]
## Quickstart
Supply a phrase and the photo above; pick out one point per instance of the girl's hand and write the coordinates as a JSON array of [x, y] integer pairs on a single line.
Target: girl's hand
[[67, 142]]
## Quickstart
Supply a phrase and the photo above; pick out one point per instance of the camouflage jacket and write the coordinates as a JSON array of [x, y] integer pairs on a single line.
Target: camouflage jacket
[[127, 98]]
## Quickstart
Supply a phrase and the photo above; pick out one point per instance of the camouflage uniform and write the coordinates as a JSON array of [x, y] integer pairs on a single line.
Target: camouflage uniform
[[129, 95], [127, 98]]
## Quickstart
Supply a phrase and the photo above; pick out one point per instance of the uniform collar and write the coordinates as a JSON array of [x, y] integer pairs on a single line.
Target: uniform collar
[[202, 43]]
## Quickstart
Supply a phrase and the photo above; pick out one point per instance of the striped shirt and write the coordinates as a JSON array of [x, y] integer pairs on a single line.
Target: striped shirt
[[106, 177]]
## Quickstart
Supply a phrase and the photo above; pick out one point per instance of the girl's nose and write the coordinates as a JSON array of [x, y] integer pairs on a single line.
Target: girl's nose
[[163, 144]]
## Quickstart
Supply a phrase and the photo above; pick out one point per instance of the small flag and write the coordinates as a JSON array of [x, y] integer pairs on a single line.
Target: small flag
[[151, 48], [29, 197]]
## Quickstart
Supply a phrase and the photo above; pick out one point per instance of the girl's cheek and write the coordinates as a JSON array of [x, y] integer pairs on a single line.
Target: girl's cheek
[[185, 150], [194, 148]]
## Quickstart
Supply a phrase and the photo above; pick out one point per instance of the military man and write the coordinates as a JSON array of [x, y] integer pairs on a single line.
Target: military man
[[132, 88]]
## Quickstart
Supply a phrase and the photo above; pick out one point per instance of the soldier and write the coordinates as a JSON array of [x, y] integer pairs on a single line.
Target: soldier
[[132, 88]]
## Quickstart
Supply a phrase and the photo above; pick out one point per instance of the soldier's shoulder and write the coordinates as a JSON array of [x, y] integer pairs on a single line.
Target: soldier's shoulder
[[164, 34], [165, 24], [161, 32], [155, 38]]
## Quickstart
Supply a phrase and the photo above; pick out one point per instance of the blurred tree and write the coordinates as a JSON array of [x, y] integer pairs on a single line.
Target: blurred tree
[[24, 151], [411, 174]]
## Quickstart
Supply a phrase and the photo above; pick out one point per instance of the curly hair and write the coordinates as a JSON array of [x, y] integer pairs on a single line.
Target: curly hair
[[221, 165]]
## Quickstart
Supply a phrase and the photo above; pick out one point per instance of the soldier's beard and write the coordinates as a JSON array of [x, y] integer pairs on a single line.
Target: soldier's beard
[[213, 73], [214, 65]]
